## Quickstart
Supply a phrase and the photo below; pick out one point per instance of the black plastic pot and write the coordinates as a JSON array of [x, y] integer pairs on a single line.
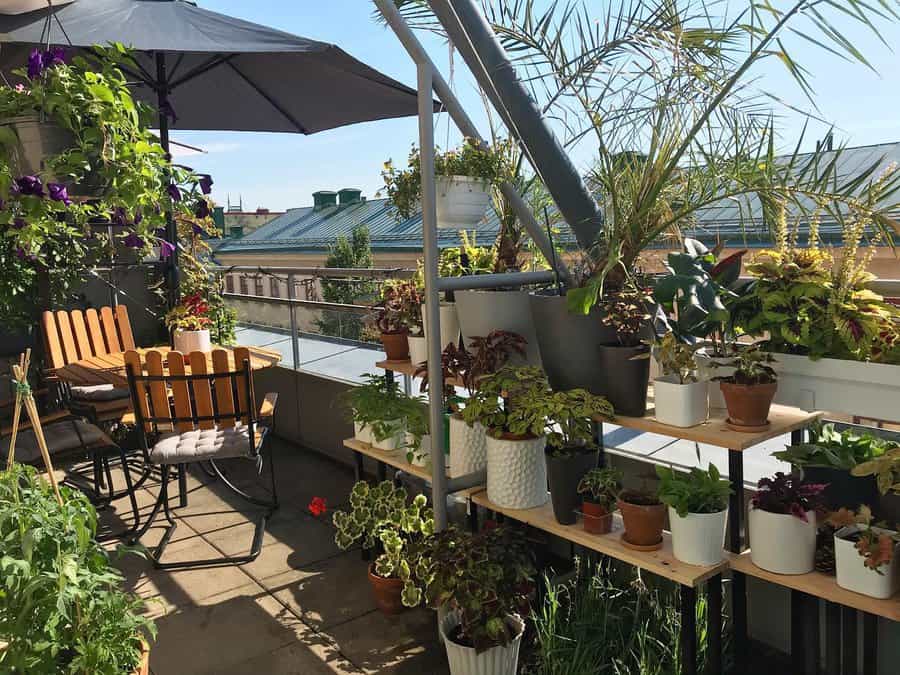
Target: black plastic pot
[[564, 474], [889, 509], [844, 489], [626, 378]]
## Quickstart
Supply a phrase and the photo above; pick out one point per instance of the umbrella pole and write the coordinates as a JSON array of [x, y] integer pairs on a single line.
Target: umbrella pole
[[162, 91]]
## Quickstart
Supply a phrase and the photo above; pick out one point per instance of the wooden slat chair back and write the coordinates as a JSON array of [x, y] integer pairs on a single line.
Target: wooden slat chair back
[[74, 335]]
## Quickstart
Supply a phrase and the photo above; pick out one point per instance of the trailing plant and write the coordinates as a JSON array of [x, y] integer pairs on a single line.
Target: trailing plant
[[404, 187], [627, 312], [676, 358], [827, 447], [484, 577], [751, 367], [876, 547], [500, 402], [191, 314], [62, 608], [384, 516], [601, 486], [698, 491], [787, 494], [886, 470]]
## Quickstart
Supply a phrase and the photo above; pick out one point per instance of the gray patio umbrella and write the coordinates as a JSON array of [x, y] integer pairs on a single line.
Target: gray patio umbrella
[[207, 71]]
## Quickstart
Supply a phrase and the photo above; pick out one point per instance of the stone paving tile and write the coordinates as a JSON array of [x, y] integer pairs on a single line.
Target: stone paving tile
[[315, 655]]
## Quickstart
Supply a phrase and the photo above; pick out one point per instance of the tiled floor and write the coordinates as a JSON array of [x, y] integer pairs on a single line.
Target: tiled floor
[[302, 608]]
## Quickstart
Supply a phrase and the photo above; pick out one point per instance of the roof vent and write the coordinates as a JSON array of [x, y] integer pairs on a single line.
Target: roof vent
[[324, 198], [350, 196]]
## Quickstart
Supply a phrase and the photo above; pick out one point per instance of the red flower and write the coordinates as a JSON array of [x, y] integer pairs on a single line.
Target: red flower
[[317, 506]]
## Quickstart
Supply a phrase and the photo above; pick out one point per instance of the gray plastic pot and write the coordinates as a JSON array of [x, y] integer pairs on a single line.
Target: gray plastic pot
[[569, 344], [564, 473], [481, 312]]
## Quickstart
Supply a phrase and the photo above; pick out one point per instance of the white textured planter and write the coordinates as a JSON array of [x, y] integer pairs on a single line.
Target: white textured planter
[[395, 441], [461, 201], [516, 472], [363, 433], [187, 341], [680, 405], [782, 543], [468, 448], [852, 573], [481, 312], [835, 385], [493, 661], [418, 349], [698, 538], [449, 324]]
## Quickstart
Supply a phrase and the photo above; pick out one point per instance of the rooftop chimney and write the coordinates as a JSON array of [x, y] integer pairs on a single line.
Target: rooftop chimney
[[323, 199], [350, 196]]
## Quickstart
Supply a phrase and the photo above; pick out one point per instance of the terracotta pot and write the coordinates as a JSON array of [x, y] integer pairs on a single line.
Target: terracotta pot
[[143, 668], [643, 522], [387, 592], [597, 520], [396, 346], [748, 404]]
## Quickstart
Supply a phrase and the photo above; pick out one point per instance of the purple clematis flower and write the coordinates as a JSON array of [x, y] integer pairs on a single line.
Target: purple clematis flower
[[55, 56], [18, 223], [206, 183], [174, 192], [166, 249], [138, 216], [28, 185], [198, 230], [58, 193], [202, 210], [133, 240], [35, 64], [119, 216], [160, 232]]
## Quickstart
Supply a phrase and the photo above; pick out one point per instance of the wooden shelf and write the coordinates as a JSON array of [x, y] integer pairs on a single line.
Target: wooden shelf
[[821, 586], [395, 458], [407, 368], [783, 420], [661, 562]]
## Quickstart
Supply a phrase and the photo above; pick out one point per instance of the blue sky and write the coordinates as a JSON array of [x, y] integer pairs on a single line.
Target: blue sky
[[279, 171]]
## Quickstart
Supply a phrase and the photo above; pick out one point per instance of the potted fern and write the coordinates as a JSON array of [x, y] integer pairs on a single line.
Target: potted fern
[[681, 399], [698, 512], [376, 409], [383, 518], [599, 490]]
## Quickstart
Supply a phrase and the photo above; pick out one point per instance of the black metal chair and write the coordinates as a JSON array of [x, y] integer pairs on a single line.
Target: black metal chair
[[198, 419]]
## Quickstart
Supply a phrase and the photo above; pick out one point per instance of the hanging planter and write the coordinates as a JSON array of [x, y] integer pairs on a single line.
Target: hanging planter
[[461, 201], [31, 140], [516, 471]]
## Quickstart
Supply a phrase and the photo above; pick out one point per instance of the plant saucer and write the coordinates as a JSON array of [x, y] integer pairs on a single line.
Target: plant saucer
[[747, 428], [645, 548]]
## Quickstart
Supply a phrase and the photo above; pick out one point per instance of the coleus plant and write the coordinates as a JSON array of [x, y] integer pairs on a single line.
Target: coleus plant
[[787, 494], [565, 418], [876, 546], [383, 516], [751, 367], [191, 314], [601, 486], [676, 358], [499, 403], [627, 311]]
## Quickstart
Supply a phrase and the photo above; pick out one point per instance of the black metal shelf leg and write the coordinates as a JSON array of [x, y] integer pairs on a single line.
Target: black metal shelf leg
[[870, 644], [736, 545], [688, 630], [798, 621], [714, 625], [848, 630], [832, 638]]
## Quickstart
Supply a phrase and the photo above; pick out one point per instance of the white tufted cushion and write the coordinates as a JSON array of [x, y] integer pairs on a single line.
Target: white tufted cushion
[[60, 436], [100, 392], [200, 445]]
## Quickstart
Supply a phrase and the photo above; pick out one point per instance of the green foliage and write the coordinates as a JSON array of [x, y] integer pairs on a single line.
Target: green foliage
[[62, 609], [499, 403], [564, 417], [600, 622], [751, 366], [484, 577], [352, 253], [698, 491], [627, 312], [602, 486], [676, 358], [404, 188], [379, 404], [828, 447], [382, 515], [886, 470]]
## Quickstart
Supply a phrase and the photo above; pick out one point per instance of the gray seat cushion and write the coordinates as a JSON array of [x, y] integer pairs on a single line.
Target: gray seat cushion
[[100, 392], [60, 437], [201, 445]]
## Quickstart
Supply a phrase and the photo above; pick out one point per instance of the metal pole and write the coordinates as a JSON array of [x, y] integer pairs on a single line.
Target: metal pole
[[171, 229], [462, 120], [295, 337], [432, 312]]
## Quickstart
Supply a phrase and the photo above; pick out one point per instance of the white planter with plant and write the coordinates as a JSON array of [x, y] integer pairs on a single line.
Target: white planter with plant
[[382, 414], [362, 432], [418, 349], [865, 557], [698, 513], [499, 660], [468, 447], [782, 525], [680, 398], [461, 201], [389, 435], [516, 471], [189, 320], [449, 324]]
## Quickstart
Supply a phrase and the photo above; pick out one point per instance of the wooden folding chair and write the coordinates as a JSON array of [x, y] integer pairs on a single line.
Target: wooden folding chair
[[200, 418]]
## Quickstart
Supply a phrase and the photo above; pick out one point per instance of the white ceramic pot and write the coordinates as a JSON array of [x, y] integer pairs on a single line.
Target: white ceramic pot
[[493, 661], [363, 433], [461, 201], [468, 449], [418, 349], [850, 387], [396, 438], [481, 312], [782, 543], [516, 472], [449, 324], [706, 371], [680, 405], [852, 573], [698, 538], [422, 456], [187, 341]]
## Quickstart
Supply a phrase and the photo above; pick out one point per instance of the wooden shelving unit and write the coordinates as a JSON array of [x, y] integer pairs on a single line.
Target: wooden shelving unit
[[395, 458], [821, 586], [408, 368], [661, 562]]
